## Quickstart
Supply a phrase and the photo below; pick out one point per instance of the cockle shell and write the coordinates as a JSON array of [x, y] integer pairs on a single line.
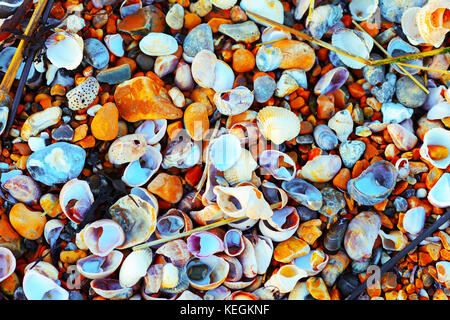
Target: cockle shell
[[206, 273], [75, 199], [246, 201], [84, 94], [111, 289], [97, 267], [354, 42], [410, 27], [361, 234], [234, 101], [136, 217], [438, 195], [303, 192], [322, 168], [23, 188], [138, 172], [102, 236], [285, 278], [394, 241], [225, 151], [398, 47], [374, 184], [281, 225], [363, 9], [158, 44], [278, 124], [322, 19], [134, 267], [439, 137], [270, 160], [65, 50], [7, 263], [432, 22], [204, 244], [242, 170], [37, 286], [331, 81], [127, 148], [342, 124]]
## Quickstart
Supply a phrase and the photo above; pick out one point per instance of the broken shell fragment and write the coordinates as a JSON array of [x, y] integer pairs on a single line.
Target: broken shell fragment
[[37, 286], [303, 192], [75, 199], [111, 289], [127, 148], [363, 9], [438, 194], [436, 146], [394, 241], [278, 164], [234, 101], [242, 170]]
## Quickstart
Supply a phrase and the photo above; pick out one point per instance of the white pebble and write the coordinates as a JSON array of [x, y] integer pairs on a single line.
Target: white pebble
[[421, 193], [36, 143], [92, 111]]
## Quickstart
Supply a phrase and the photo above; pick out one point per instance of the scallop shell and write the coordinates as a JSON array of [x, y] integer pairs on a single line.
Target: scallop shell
[[363, 9], [36, 286], [303, 192], [361, 234], [431, 23], [7, 263], [111, 289], [410, 27], [398, 47], [352, 41], [65, 50], [206, 273], [203, 244], [97, 267], [225, 151], [438, 195], [282, 225], [322, 168], [331, 81], [394, 241], [278, 124], [234, 101], [84, 94], [140, 171], [75, 199], [269, 160], [158, 44], [439, 137], [134, 267], [127, 148]]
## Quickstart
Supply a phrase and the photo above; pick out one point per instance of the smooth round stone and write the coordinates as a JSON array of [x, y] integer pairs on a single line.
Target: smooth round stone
[[247, 32], [351, 151], [63, 133], [264, 87], [198, 39], [115, 75], [175, 17], [56, 163], [374, 74], [304, 139], [408, 93], [95, 53], [145, 62]]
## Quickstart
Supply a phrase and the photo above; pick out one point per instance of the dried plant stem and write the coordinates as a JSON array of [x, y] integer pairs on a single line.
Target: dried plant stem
[[311, 8], [269, 42], [389, 56], [188, 233], [411, 56]]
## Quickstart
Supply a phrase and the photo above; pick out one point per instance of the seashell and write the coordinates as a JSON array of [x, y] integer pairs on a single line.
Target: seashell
[[4, 111], [322, 168], [432, 22], [352, 41], [402, 167], [278, 124], [311, 263], [443, 272], [23, 188], [234, 101], [111, 289], [158, 44], [103, 236], [65, 50], [140, 171], [394, 241], [97, 267], [146, 196], [331, 81], [439, 62], [44, 268], [234, 274], [300, 291], [271, 9], [361, 234], [436, 146], [7, 263], [268, 59], [248, 259], [274, 194], [322, 19], [134, 267], [342, 124], [153, 279], [127, 148], [317, 288], [439, 111], [174, 279], [219, 293], [335, 267], [213, 179], [374, 184], [129, 7], [233, 242], [243, 295], [181, 153], [209, 214], [226, 79], [278, 164], [362, 10], [398, 47], [176, 251], [154, 130], [263, 253], [203, 244], [173, 222], [285, 278], [136, 217], [281, 225], [303, 192], [271, 34], [240, 202], [225, 151], [414, 220], [201, 67], [224, 4], [165, 65], [37, 286], [410, 27], [75, 199], [438, 195], [84, 94], [403, 138], [395, 112], [52, 230], [242, 170], [324, 137], [206, 273], [114, 43]]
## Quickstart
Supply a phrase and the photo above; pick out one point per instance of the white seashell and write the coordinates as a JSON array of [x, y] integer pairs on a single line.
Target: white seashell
[[438, 195], [140, 171], [271, 9], [226, 79], [439, 137], [52, 230], [234, 101], [322, 168], [443, 272], [363, 9], [354, 42], [278, 124], [312, 263], [414, 220], [431, 23], [158, 44], [103, 236], [394, 241], [342, 124], [409, 26], [233, 242], [146, 196], [204, 62], [204, 244], [269, 161], [244, 224], [4, 112], [114, 42], [225, 151], [134, 267], [111, 289], [439, 111], [242, 170], [398, 47], [96, 267], [285, 279], [38, 287], [65, 50], [263, 253], [281, 225], [74, 23], [51, 73], [248, 260], [154, 130], [44, 268], [79, 191], [224, 4], [403, 168], [7, 263]]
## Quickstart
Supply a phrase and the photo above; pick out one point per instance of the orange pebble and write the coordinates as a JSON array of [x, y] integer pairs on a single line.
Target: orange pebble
[[243, 60]]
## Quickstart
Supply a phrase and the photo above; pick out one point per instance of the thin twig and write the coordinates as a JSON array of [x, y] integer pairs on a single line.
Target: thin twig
[[269, 42], [311, 8], [411, 56]]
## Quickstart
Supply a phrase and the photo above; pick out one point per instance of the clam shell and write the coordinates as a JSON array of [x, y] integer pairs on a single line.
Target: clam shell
[[394, 241], [303, 192], [134, 267], [44, 268], [414, 220], [440, 137], [75, 199], [225, 151], [322, 19], [203, 244], [354, 42], [140, 171], [242, 170], [111, 289], [322, 168], [127, 148], [213, 272], [65, 50], [331, 81], [7, 263], [234, 101], [363, 9], [158, 44], [278, 124], [410, 27], [154, 130], [281, 225], [361, 234], [97, 267], [38, 287], [374, 184], [438, 195], [103, 236], [398, 47]]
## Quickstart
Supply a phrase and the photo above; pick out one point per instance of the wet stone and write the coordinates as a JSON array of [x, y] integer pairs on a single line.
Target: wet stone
[[57, 163], [386, 91], [95, 53], [115, 75], [374, 74], [145, 20], [409, 93], [63, 133], [75, 295], [198, 39], [247, 32], [351, 151]]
